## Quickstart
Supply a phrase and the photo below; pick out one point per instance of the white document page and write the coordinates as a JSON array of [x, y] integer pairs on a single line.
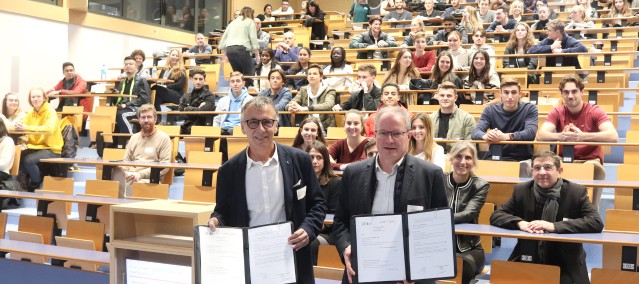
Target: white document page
[[430, 243], [221, 255], [380, 248], [271, 258], [148, 272]]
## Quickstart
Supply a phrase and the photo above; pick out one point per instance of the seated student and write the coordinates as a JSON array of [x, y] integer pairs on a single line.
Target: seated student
[[450, 25], [550, 204], [386, 6], [422, 58], [481, 76], [263, 37], [461, 56], [173, 70], [371, 148], [390, 97], [287, 51], [199, 99], [201, 47], [421, 143], [429, 10], [71, 84], [455, 9], [330, 184], [470, 21], [314, 17], [479, 43], [579, 21], [267, 63], [338, 66], [237, 97], [502, 23], [510, 120], [300, 68], [451, 122], [403, 70], [521, 40], [541, 24], [486, 15], [365, 94], [416, 26], [285, 12], [350, 149], [314, 97], [589, 10], [360, 11], [267, 15], [544, 3], [279, 94], [443, 71], [373, 39], [577, 120], [559, 42], [150, 144], [466, 194], [399, 14], [139, 57], [12, 114], [131, 85], [516, 11], [620, 9], [310, 130], [41, 118]]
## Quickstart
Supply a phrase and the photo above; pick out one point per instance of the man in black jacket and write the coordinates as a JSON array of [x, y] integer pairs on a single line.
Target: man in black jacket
[[365, 96], [550, 204], [200, 99]]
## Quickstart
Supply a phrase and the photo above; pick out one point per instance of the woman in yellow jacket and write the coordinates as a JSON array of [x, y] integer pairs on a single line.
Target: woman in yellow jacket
[[42, 118]]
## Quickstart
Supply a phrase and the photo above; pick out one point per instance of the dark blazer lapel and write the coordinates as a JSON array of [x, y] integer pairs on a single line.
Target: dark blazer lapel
[[409, 174], [240, 177], [288, 176], [369, 187]]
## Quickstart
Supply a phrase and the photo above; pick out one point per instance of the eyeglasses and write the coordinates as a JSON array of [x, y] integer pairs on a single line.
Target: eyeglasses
[[386, 134], [147, 117], [547, 168], [255, 123]]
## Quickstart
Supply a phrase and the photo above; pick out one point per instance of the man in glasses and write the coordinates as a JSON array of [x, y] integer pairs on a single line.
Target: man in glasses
[[150, 144], [390, 182], [269, 183], [550, 204], [577, 121]]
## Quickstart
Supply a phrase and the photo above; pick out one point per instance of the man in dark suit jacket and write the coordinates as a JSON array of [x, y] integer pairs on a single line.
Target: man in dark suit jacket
[[392, 182], [269, 183], [550, 204]]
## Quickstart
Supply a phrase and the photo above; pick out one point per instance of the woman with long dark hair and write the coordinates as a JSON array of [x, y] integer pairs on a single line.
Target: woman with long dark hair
[[482, 76], [310, 130], [350, 149], [300, 68], [403, 70]]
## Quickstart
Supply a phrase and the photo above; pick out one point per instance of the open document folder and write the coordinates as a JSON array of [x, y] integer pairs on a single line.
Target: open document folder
[[409, 246], [244, 255]]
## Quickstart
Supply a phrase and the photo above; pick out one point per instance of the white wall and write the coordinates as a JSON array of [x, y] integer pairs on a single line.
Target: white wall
[[33, 51]]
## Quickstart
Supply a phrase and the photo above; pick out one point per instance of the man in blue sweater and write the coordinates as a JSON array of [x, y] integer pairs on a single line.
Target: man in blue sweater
[[510, 120], [559, 42]]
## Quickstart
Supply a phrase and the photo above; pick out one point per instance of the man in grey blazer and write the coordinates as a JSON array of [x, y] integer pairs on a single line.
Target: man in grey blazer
[[269, 183], [391, 182]]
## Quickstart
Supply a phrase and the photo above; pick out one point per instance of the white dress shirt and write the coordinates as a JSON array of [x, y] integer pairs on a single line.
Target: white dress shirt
[[384, 200], [264, 191]]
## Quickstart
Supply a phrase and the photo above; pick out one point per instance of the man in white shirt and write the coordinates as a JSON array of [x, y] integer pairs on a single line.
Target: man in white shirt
[[392, 182], [286, 9], [270, 183]]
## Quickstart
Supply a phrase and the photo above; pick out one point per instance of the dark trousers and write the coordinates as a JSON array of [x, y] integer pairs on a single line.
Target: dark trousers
[[165, 95], [224, 146], [122, 117], [30, 160], [241, 60]]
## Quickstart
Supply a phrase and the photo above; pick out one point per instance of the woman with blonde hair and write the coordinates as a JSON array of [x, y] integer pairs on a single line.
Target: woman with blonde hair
[[470, 20], [461, 56], [466, 194], [352, 148], [403, 70], [12, 113], [421, 143], [579, 20], [416, 26], [173, 70], [517, 11], [619, 9]]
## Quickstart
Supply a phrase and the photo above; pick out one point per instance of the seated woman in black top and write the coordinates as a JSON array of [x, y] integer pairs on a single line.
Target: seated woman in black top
[[466, 194], [173, 70], [521, 40], [330, 184]]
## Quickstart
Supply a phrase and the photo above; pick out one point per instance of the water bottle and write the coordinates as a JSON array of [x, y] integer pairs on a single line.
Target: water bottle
[[103, 72], [154, 72]]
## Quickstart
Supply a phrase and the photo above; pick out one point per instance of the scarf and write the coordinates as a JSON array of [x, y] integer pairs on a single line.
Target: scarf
[[549, 198]]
